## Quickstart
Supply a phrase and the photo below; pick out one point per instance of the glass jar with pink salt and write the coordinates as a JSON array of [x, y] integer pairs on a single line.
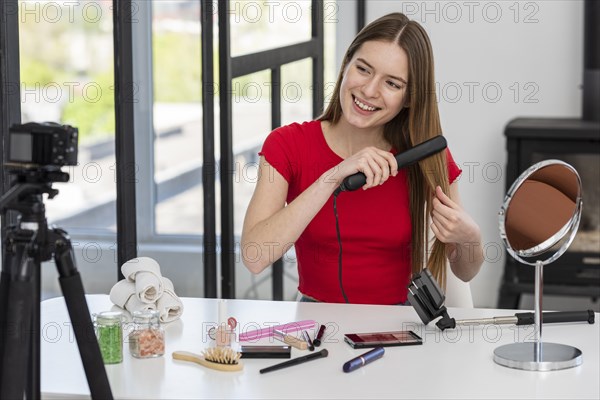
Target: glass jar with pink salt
[[147, 339]]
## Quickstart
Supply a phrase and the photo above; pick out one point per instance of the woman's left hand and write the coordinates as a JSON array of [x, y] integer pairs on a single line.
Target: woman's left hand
[[450, 223]]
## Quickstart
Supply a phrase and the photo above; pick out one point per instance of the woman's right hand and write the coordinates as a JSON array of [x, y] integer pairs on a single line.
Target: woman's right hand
[[377, 165]]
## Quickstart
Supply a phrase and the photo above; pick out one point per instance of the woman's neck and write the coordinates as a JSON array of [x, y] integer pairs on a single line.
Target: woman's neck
[[346, 139]]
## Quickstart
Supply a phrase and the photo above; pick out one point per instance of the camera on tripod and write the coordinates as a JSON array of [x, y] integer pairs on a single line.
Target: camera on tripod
[[36, 153], [46, 145]]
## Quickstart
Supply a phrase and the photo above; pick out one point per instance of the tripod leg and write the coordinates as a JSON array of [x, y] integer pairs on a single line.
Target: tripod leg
[[12, 255], [17, 303], [72, 288]]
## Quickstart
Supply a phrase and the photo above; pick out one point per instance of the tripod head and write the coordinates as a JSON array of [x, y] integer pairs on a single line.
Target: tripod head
[[29, 184], [26, 197]]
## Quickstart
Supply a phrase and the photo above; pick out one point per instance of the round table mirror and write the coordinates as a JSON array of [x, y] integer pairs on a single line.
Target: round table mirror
[[538, 221]]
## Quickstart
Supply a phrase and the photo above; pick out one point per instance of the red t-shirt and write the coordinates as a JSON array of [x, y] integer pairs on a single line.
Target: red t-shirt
[[375, 224]]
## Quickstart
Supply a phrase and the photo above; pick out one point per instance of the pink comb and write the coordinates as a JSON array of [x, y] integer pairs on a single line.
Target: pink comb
[[285, 328]]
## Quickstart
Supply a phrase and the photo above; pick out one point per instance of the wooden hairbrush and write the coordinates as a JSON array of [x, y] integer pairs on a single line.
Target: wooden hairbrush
[[219, 358]]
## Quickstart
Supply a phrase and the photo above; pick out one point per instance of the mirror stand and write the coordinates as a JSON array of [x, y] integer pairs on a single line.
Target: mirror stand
[[537, 355], [540, 215]]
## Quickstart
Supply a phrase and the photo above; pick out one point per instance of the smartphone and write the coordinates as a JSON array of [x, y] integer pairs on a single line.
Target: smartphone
[[382, 339]]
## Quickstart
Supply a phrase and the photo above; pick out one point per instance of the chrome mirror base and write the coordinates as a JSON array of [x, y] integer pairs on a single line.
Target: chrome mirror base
[[538, 356]]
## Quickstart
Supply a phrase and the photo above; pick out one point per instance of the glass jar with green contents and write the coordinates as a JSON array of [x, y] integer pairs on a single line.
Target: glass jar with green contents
[[109, 331]]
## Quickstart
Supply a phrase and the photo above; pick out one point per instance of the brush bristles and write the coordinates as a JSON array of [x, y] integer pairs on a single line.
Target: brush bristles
[[222, 355]]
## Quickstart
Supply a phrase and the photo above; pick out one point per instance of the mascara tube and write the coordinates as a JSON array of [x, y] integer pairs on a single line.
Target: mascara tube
[[363, 359], [317, 341]]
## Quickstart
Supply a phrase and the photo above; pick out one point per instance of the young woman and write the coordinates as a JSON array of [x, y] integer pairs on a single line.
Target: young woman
[[384, 102]]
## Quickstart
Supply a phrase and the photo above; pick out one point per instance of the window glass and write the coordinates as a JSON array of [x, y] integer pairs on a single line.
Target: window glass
[[177, 111], [251, 107], [66, 61], [262, 25], [296, 92], [177, 107]]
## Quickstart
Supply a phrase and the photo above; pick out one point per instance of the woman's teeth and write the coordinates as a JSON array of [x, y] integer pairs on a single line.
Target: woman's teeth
[[363, 106]]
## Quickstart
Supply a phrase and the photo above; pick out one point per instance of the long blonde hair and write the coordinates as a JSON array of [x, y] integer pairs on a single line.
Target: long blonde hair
[[414, 124]]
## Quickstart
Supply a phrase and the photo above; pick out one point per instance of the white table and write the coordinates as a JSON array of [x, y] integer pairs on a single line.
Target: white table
[[452, 364]]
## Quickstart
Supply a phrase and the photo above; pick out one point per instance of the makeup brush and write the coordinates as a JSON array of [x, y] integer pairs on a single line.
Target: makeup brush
[[219, 358]]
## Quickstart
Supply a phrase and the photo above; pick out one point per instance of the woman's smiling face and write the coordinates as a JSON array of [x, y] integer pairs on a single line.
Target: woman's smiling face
[[374, 85]]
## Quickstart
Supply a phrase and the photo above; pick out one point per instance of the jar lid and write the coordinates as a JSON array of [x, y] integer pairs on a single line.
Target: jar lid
[[146, 316], [109, 317]]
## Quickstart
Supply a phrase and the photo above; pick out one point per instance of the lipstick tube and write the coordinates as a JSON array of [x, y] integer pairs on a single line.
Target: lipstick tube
[[363, 359]]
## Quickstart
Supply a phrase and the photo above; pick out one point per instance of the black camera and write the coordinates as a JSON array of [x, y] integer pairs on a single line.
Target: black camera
[[47, 144]]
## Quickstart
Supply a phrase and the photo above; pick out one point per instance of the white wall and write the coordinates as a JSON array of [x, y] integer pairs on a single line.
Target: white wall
[[484, 51]]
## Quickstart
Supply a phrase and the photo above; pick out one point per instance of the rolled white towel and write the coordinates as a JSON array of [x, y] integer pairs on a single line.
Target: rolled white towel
[[133, 304], [145, 273], [122, 294], [169, 305], [168, 284]]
